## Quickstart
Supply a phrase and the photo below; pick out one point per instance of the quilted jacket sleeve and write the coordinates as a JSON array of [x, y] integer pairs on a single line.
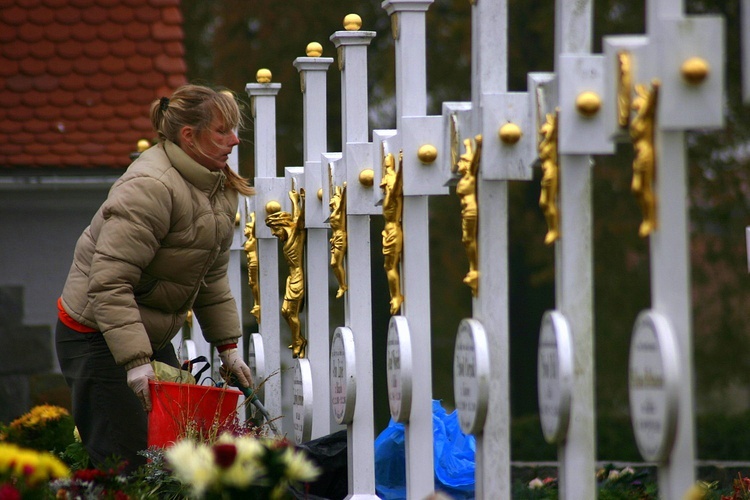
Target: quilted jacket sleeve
[[136, 216]]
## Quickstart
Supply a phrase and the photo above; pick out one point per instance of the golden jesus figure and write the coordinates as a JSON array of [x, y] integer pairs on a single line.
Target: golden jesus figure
[[338, 237], [251, 249], [290, 229], [550, 178], [644, 163], [393, 237], [466, 189]]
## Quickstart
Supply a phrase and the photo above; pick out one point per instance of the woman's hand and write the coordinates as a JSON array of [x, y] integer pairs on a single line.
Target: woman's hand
[[138, 378], [232, 362]]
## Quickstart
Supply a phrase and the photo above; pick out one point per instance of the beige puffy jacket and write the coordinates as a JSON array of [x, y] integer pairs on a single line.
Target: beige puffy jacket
[[157, 247]]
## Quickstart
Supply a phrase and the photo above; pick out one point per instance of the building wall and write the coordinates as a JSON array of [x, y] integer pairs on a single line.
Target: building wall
[[40, 227]]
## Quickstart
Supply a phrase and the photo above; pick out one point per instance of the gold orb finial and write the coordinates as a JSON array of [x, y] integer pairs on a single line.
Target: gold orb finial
[[320, 194], [352, 22], [263, 75], [588, 103], [367, 177], [694, 70], [142, 145], [272, 207], [314, 49], [427, 153], [510, 133]]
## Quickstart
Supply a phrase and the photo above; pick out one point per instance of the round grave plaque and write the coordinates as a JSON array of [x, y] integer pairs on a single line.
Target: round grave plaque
[[399, 368], [343, 377], [256, 361], [555, 375], [302, 405], [653, 384], [471, 375]]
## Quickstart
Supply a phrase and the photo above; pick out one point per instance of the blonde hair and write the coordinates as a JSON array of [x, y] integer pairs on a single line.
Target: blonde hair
[[197, 106]]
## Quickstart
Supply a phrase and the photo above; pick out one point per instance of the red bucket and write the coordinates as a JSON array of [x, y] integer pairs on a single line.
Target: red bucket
[[187, 409]]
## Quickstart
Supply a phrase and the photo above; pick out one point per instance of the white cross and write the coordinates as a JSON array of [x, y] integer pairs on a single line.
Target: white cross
[[355, 164], [421, 178], [312, 71], [268, 188], [685, 54]]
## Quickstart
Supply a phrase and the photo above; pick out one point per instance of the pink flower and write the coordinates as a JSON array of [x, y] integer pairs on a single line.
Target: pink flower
[[9, 492]]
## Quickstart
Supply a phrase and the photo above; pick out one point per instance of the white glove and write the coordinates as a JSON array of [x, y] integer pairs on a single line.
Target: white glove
[[231, 360], [138, 378]]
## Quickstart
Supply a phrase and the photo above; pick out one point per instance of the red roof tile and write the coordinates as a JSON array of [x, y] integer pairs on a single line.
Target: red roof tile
[[77, 78]]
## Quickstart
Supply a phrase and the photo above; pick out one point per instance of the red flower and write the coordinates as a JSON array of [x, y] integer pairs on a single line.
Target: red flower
[[88, 474], [224, 454]]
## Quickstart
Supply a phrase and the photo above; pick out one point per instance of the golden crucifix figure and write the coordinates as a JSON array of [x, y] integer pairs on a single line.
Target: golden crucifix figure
[[644, 162], [337, 204], [289, 228], [624, 88], [466, 189], [393, 237], [550, 178], [251, 249]]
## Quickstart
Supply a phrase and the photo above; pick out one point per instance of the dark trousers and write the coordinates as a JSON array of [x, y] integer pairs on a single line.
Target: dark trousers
[[108, 414]]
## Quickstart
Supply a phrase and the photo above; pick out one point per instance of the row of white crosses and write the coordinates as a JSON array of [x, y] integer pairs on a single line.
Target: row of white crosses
[[567, 334]]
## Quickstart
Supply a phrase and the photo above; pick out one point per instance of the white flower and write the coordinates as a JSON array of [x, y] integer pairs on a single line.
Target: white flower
[[246, 467], [536, 484], [299, 467], [193, 465], [627, 470], [613, 474]]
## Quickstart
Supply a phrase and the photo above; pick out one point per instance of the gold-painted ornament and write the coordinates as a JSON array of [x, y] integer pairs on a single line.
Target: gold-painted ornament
[[695, 70], [588, 103], [263, 75], [314, 49], [510, 133], [427, 153]]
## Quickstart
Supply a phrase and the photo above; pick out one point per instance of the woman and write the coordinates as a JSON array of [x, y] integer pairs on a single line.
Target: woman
[[156, 248]]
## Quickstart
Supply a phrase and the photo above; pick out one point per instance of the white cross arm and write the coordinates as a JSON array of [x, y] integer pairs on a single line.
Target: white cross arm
[[612, 47], [684, 105], [268, 189], [581, 77], [542, 98], [360, 198], [316, 213], [330, 164], [507, 160], [294, 177], [420, 177], [457, 126], [379, 146]]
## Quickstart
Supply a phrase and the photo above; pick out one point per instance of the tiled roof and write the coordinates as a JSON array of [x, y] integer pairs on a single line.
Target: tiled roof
[[77, 78]]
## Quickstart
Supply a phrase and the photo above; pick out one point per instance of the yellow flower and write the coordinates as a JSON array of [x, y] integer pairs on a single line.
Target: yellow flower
[[38, 415], [32, 466]]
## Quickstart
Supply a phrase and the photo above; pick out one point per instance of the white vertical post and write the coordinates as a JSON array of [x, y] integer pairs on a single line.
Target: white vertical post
[[670, 292], [574, 278], [408, 21], [490, 307], [352, 55], [263, 97], [312, 71], [685, 54]]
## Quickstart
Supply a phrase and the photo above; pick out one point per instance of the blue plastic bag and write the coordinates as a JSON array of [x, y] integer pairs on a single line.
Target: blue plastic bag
[[453, 458]]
